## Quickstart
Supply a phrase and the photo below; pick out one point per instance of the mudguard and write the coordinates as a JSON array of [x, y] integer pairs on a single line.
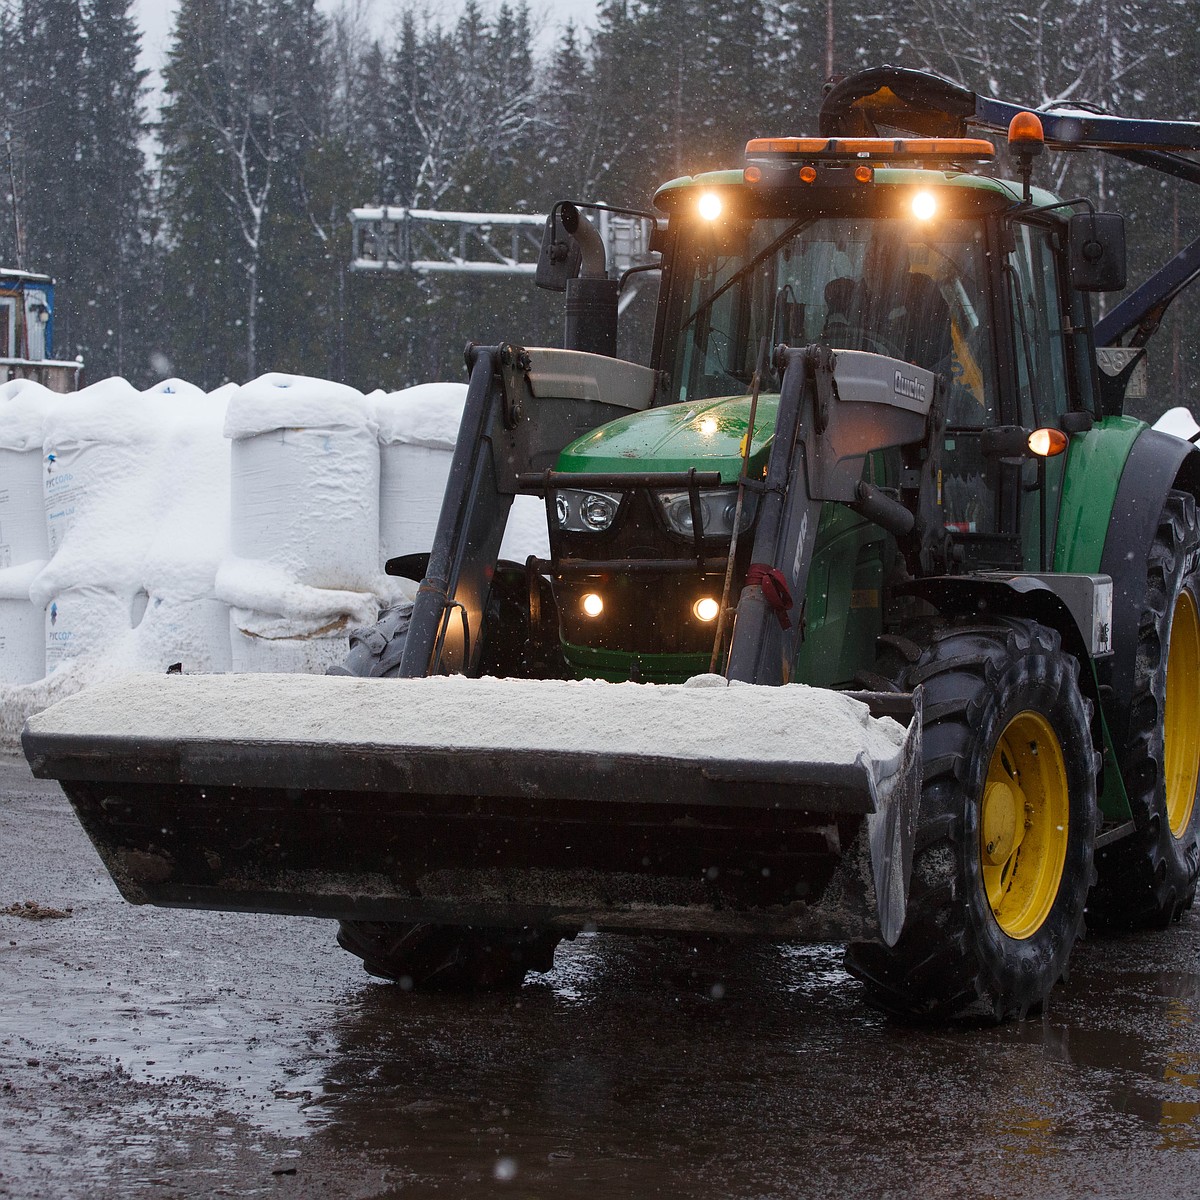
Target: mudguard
[[1157, 463]]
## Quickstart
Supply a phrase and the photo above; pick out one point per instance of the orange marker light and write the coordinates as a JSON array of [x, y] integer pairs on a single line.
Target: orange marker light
[[1025, 134], [864, 174], [808, 174], [1047, 443], [931, 149], [752, 175]]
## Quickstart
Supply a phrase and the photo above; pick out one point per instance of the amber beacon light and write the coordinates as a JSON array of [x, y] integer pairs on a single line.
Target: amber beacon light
[[1025, 134], [1026, 139]]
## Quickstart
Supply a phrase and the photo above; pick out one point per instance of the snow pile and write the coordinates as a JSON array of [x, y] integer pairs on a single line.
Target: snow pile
[[740, 723], [304, 566]]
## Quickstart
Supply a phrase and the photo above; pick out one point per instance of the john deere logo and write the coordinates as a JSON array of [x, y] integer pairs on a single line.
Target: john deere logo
[[911, 389]]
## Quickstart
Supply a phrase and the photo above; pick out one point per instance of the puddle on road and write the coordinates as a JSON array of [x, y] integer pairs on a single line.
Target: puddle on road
[[622, 1071]]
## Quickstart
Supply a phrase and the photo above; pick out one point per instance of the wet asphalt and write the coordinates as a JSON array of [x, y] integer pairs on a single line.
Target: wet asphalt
[[160, 1053]]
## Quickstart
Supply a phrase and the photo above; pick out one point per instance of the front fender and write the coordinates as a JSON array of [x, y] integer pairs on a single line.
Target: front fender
[[1156, 464]]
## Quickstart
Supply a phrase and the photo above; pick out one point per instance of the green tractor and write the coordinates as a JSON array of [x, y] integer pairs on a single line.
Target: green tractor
[[868, 616]]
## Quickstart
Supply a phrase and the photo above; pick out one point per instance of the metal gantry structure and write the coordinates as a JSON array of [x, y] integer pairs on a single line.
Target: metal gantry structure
[[429, 241]]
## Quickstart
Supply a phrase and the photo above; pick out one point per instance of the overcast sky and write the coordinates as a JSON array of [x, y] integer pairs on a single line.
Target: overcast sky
[[157, 16]]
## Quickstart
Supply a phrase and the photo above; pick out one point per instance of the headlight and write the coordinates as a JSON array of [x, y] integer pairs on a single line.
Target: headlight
[[586, 512], [717, 508]]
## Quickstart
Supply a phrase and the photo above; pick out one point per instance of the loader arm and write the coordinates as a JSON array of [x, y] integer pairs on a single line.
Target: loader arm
[[522, 407], [834, 410]]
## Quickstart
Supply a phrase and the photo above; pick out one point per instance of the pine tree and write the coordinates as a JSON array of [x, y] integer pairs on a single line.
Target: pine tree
[[567, 149], [111, 279], [14, 130], [53, 191], [203, 279]]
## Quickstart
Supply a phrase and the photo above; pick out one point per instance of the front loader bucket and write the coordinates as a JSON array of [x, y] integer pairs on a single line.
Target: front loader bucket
[[779, 811]]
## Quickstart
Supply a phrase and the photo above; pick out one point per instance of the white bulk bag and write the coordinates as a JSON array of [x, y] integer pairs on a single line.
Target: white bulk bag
[[85, 622], [418, 429], [24, 405], [22, 637], [305, 480], [183, 620]]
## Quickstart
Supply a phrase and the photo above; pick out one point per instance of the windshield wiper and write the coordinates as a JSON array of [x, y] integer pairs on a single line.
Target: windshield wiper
[[786, 235]]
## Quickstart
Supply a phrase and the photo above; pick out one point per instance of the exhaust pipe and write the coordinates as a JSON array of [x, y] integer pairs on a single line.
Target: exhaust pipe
[[591, 323]]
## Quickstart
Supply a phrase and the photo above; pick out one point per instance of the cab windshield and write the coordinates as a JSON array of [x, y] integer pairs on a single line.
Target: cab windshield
[[854, 283]]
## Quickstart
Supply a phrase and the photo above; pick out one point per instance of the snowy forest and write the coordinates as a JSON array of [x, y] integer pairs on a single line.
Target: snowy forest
[[209, 238]]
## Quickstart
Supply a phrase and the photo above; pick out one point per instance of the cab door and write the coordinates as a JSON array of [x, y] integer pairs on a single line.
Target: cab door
[[1041, 351]]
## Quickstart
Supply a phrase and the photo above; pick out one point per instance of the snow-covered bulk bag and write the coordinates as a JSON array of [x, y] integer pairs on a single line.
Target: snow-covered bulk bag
[[99, 445], [22, 638], [86, 622], [22, 508], [23, 545], [24, 405], [104, 487], [303, 567], [418, 429], [305, 480], [181, 619]]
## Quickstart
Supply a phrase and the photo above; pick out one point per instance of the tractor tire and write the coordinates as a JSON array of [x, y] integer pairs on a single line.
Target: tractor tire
[[422, 956], [376, 651], [1149, 878], [447, 957], [1003, 852]]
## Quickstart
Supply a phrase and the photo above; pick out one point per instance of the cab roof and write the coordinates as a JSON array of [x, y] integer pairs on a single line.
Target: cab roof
[[672, 193]]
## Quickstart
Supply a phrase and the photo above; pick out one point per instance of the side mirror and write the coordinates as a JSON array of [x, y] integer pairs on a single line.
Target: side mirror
[[1096, 249], [560, 257]]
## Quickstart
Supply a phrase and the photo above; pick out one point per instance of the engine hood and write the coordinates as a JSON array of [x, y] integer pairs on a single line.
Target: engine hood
[[705, 434]]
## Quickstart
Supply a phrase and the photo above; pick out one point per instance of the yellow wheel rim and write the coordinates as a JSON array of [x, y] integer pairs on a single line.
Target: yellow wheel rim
[[1023, 825], [1181, 720]]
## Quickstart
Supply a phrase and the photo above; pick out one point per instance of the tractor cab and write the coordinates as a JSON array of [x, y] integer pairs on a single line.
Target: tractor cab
[[892, 246]]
